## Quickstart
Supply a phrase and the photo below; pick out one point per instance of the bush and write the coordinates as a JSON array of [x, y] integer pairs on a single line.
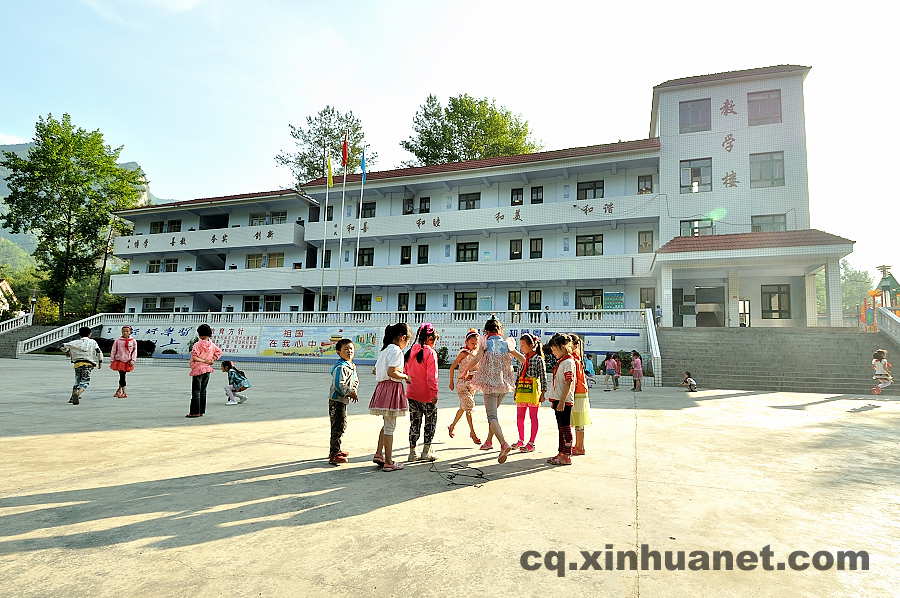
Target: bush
[[146, 348], [443, 355], [170, 352]]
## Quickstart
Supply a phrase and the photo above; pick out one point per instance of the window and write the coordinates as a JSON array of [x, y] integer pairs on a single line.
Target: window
[[420, 301], [157, 227], [315, 212], [767, 170], [589, 245], [776, 301], [148, 304], [409, 205], [534, 300], [764, 107], [329, 213], [173, 226], [648, 298], [167, 304], [424, 205], [466, 301], [537, 248], [366, 257], [537, 194], [696, 228], [469, 201], [277, 218], [272, 303], [645, 184], [770, 223], [402, 301], [251, 302], [515, 249], [362, 302], [257, 219], [153, 266], [327, 260], [171, 264], [422, 255], [588, 298], [368, 209], [694, 116], [645, 241], [696, 175], [467, 252], [254, 260], [590, 190], [514, 300], [517, 197], [275, 260], [405, 255]]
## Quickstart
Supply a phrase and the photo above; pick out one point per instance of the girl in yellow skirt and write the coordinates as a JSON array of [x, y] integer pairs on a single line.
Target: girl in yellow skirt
[[581, 412]]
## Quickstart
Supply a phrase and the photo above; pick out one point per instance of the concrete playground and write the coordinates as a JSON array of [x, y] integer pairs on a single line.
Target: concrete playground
[[126, 497]]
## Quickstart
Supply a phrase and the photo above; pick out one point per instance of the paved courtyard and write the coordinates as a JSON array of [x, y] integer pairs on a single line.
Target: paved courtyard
[[128, 498]]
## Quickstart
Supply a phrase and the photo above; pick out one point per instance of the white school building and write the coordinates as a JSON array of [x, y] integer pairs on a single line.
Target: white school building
[[707, 217]]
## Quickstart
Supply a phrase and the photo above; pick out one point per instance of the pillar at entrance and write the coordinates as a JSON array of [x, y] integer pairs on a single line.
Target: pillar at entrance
[[733, 296], [665, 292], [809, 295], [833, 292]]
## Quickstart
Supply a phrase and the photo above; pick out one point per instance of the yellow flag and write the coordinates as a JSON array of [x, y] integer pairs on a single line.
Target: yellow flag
[[330, 180]]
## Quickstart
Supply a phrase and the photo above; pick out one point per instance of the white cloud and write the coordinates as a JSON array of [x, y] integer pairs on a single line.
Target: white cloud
[[6, 139]]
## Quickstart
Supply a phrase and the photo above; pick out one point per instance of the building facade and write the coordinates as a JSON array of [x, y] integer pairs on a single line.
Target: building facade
[[708, 218]]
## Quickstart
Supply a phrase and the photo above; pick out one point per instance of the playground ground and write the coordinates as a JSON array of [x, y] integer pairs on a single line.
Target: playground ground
[[126, 497]]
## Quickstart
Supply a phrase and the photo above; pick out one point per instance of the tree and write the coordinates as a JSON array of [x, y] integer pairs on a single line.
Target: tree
[[467, 128], [854, 286], [325, 130], [65, 192], [14, 257]]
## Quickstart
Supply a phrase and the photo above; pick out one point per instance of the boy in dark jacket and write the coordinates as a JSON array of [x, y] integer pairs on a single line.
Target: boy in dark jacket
[[344, 384]]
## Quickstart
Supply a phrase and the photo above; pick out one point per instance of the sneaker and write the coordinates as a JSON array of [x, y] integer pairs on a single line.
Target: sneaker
[[412, 457], [241, 398], [337, 460], [231, 402]]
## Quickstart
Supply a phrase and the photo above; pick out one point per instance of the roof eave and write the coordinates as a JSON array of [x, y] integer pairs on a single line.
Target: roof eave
[[212, 202]]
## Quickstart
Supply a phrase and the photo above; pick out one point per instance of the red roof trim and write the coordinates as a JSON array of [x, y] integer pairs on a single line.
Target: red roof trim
[[575, 152], [791, 238], [765, 70]]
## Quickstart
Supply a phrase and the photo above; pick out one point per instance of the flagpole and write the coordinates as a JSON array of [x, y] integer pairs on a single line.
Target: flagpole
[[358, 230], [337, 287], [324, 217]]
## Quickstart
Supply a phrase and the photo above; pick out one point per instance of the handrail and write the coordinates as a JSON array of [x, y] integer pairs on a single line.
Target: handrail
[[51, 336], [889, 323], [653, 343], [16, 323]]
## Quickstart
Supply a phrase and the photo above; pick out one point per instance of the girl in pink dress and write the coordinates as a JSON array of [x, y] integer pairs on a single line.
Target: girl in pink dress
[[637, 370], [462, 385], [122, 357], [422, 391], [389, 399], [203, 354]]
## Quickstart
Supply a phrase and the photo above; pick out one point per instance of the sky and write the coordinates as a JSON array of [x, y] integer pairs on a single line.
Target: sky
[[200, 92]]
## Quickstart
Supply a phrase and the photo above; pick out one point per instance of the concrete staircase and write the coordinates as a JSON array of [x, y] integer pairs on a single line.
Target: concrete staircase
[[824, 360], [9, 340]]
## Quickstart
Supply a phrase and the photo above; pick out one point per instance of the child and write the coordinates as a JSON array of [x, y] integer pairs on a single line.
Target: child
[[530, 389], [562, 395], [85, 354], [203, 354], [237, 383], [689, 382], [494, 379], [344, 386], [122, 357], [609, 369], [581, 411], [464, 390], [422, 392], [882, 368], [389, 398], [637, 371], [618, 375]]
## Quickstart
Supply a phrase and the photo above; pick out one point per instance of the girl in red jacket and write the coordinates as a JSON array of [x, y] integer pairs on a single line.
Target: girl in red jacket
[[422, 391], [122, 357]]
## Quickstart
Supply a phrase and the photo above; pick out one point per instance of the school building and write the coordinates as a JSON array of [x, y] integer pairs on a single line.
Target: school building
[[707, 217]]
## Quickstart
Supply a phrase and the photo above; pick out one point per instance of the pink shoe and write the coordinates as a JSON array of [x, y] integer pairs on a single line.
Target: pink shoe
[[518, 444], [528, 448], [487, 446]]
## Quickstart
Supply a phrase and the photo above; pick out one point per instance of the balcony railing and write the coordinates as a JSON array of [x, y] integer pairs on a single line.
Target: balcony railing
[[219, 239]]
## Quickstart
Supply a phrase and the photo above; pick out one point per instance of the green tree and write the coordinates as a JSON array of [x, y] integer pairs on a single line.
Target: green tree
[[65, 192], [46, 311], [467, 128], [327, 130], [854, 286]]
